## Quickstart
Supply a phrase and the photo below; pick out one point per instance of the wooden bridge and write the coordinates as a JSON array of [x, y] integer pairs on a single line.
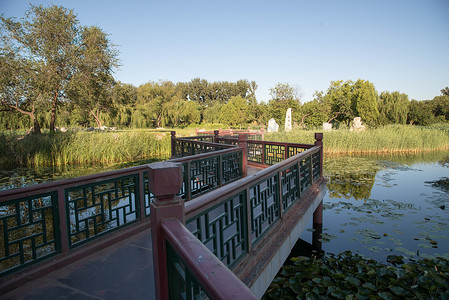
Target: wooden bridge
[[218, 220]]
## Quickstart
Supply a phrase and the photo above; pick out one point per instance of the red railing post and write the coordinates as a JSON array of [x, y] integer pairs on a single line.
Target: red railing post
[[319, 142], [165, 181], [243, 143], [63, 229], [173, 147], [216, 134]]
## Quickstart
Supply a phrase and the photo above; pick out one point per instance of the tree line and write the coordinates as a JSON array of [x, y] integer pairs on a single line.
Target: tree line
[[55, 72]]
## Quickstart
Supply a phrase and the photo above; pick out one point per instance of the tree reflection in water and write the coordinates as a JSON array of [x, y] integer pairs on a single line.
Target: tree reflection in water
[[382, 205]]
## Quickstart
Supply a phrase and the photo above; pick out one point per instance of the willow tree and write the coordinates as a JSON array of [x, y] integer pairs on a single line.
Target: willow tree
[[51, 38], [158, 97], [364, 101], [91, 85], [339, 98], [18, 92], [393, 107]]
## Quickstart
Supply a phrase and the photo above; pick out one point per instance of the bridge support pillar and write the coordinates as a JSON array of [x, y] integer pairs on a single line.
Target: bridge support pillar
[[165, 181], [318, 227]]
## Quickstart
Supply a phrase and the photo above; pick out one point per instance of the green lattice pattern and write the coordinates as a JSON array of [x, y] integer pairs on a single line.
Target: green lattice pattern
[[27, 231], [94, 209], [222, 229], [264, 199], [290, 186]]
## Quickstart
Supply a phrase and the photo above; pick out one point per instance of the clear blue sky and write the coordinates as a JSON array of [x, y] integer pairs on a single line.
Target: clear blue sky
[[397, 45]]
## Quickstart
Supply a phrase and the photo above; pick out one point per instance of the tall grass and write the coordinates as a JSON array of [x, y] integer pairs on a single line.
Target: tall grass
[[81, 148], [388, 139]]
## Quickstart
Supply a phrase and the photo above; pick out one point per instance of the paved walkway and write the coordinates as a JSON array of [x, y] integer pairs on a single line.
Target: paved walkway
[[121, 271]]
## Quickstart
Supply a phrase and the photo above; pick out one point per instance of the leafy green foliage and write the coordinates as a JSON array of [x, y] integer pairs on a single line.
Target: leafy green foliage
[[55, 51], [283, 96], [351, 276], [393, 108], [235, 112]]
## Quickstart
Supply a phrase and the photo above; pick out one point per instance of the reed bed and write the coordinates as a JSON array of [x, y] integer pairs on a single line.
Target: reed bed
[[81, 147], [388, 139]]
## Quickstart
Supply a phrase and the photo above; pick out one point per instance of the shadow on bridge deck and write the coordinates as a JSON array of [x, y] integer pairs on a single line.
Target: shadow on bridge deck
[[121, 271]]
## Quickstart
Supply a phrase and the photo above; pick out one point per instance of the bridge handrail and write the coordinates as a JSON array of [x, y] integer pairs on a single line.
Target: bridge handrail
[[208, 171], [185, 146], [197, 137], [204, 268]]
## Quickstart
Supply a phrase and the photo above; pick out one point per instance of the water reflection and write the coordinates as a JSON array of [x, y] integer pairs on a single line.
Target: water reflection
[[21, 177], [378, 205]]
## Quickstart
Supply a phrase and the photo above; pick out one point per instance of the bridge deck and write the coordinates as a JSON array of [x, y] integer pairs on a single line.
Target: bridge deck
[[121, 271]]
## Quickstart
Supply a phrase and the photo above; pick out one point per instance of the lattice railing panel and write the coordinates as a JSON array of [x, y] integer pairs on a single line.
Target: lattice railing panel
[[316, 160], [264, 198], [292, 151], [274, 154], [204, 175], [97, 208], [27, 231], [255, 152], [305, 174], [222, 229], [231, 166], [290, 186]]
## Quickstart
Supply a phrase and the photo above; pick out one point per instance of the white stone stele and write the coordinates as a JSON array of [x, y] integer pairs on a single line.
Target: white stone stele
[[327, 126], [288, 120], [272, 126], [357, 125]]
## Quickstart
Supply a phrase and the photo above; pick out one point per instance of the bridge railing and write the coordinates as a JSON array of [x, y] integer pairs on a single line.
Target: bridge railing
[[208, 171], [40, 221], [187, 146], [251, 134], [229, 221]]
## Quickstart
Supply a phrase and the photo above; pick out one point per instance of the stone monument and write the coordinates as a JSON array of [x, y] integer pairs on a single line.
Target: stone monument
[[327, 126], [272, 125], [288, 120], [357, 125]]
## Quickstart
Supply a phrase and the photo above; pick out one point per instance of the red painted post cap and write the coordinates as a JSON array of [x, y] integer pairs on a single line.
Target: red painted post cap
[[165, 178], [318, 136]]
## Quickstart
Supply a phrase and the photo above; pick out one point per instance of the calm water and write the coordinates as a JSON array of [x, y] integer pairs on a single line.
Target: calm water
[[375, 206], [378, 206]]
